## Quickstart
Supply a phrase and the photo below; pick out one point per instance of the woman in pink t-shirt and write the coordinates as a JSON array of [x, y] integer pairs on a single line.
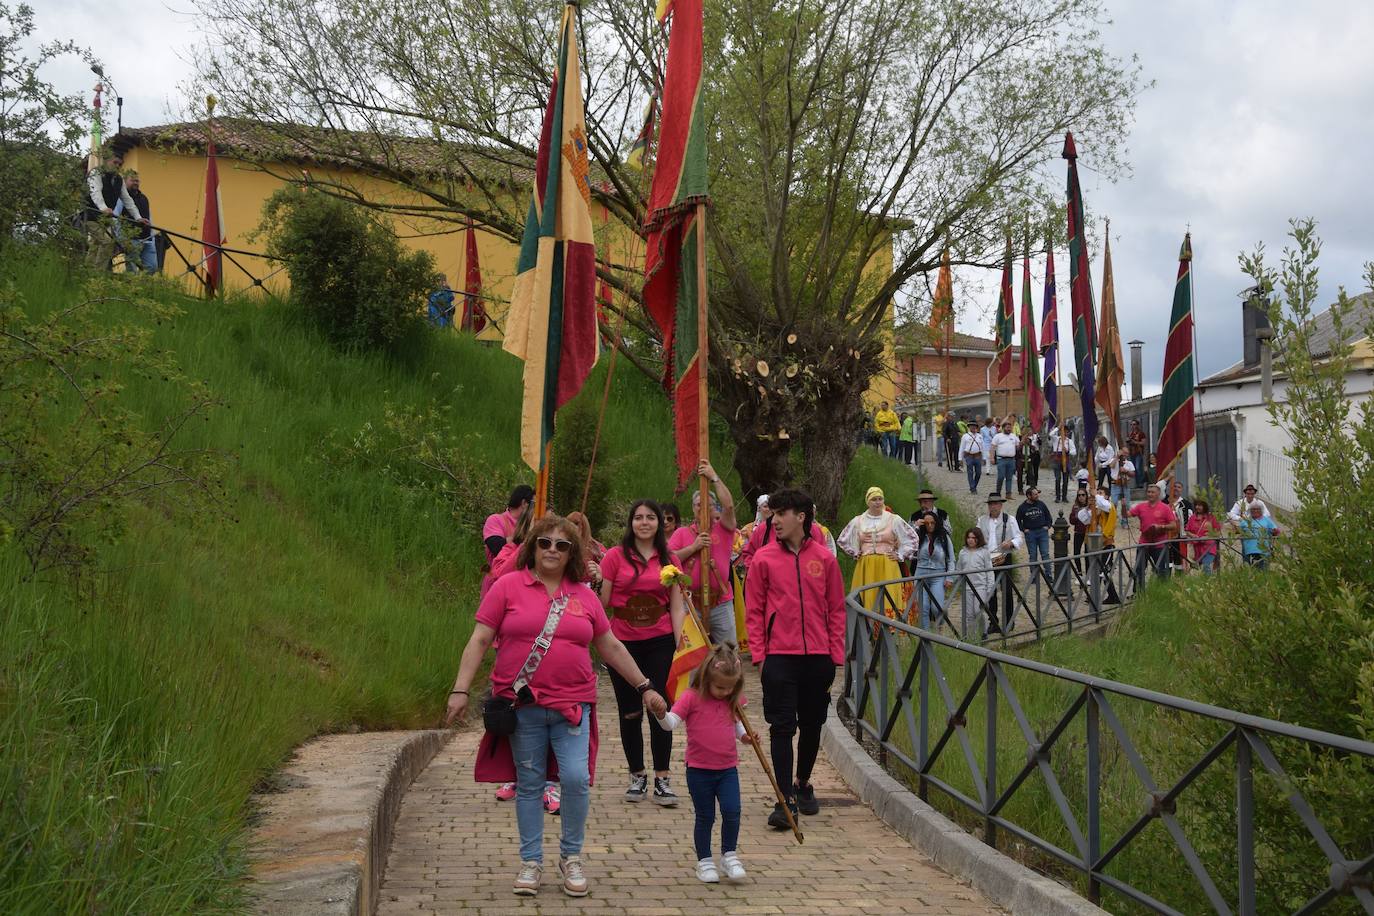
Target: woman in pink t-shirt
[[647, 618], [707, 708], [557, 709]]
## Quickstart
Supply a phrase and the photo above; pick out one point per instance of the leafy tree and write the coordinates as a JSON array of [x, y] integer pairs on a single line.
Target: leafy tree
[[572, 455], [349, 272], [40, 134], [846, 136]]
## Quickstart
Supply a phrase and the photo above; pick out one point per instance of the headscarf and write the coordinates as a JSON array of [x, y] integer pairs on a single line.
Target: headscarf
[[872, 492]]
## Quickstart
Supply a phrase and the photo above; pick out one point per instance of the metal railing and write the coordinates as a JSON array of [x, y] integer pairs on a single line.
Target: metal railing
[[898, 697], [1275, 479], [1030, 600]]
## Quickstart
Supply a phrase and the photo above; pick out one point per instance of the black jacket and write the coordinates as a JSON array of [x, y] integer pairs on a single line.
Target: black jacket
[[144, 210], [1033, 515]]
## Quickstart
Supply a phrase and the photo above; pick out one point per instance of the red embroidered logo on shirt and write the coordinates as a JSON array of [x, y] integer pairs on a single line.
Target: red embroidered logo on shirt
[[814, 569]]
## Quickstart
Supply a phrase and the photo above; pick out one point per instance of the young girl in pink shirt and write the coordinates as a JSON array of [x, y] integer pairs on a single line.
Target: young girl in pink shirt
[[707, 708]]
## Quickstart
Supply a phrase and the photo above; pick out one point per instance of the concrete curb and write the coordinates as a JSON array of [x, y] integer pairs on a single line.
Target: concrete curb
[[1006, 883], [323, 831]]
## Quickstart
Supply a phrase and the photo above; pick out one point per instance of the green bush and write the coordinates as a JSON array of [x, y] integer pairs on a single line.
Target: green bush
[[349, 273], [572, 451]]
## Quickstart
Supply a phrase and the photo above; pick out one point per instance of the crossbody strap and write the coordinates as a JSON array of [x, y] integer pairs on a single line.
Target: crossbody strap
[[542, 642]]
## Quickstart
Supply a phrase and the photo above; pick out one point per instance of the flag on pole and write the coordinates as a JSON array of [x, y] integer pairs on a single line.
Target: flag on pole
[[212, 226], [1081, 297], [93, 160], [1111, 368], [552, 318], [942, 310], [688, 655], [1005, 320], [639, 149], [1030, 354], [1049, 339], [1176, 427], [474, 313], [670, 263]]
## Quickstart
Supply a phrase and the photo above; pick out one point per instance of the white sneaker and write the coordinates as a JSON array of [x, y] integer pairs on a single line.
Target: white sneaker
[[527, 882], [574, 880], [734, 868], [706, 872]]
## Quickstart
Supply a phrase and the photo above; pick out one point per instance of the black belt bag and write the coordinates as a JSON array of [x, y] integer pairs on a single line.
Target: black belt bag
[[498, 713]]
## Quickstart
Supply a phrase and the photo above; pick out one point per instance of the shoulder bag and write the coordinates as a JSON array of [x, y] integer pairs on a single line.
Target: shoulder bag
[[498, 713]]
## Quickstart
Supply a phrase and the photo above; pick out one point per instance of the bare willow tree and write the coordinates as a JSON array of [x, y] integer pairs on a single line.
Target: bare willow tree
[[850, 140]]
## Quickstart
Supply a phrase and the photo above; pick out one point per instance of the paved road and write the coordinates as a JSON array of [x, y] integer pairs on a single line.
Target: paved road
[[455, 850]]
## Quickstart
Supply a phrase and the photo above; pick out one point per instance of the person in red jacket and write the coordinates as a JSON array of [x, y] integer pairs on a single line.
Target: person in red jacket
[[794, 614]]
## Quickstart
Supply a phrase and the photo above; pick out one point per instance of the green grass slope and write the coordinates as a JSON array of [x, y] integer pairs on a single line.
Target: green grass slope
[[138, 713]]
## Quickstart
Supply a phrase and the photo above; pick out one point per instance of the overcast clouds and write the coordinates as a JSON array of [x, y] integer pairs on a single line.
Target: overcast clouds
[[1261, 111]]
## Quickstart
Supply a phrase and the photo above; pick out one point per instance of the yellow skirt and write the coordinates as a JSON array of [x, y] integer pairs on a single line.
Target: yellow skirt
[[741, 633], [878, 568]]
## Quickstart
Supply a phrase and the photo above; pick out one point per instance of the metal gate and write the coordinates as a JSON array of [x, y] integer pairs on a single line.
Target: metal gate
[[1216, 458]]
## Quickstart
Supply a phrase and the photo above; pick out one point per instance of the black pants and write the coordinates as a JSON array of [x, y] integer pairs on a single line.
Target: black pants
[[1078, 538], [1062, 475], [796, 698], [1033, 470], [654, 657], [952, 454]]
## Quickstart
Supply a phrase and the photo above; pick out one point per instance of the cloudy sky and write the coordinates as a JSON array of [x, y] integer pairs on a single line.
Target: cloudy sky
[[1260, 112]]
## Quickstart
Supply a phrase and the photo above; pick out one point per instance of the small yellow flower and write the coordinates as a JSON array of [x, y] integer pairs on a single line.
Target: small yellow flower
[[670, 575]]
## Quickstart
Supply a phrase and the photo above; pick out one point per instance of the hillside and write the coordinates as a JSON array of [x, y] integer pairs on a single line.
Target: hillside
[[333, 590]]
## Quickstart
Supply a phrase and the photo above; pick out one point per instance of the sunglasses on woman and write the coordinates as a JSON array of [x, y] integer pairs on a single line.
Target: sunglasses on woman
[[562, 545]]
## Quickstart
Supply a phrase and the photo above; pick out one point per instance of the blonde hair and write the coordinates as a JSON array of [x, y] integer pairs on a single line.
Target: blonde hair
[[722, 661]]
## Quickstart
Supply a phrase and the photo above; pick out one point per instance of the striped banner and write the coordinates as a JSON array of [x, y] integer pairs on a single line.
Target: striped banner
[[1176, 426]]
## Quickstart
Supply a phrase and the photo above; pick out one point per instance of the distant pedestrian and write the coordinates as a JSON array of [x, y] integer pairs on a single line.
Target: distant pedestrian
[[1063, 460], [971, 451], [974, 578], [1201, 530], [140, 245], [886, 425], [1103, 457], [1257, 537], [1157, 526], [1241, 510], [906, 440], [932, 561], [441, 305], [1034, 519], [1003, 537], [104, 190], [1005, 445]]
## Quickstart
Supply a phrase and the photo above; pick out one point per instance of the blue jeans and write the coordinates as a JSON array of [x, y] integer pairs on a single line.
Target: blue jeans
[[1038, 544], [141, 254], [536, 731], [931, 593], [1121, 494], [722, 623], [706, 788], [890, 445], [1208, 562], [973, 467], [1006, 470]]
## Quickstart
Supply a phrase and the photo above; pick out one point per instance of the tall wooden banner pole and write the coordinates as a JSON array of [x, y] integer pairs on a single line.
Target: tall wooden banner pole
[[703, 408]]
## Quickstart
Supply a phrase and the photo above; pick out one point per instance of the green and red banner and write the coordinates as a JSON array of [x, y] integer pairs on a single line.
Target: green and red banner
[[1111, 367], [552, 318], [1176, 426], [1006, 329], [1049, 339], [1081, 298], [670, 263], [1030, 354]]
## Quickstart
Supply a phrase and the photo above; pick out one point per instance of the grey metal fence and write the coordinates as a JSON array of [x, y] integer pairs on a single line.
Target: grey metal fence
[[897, 697]]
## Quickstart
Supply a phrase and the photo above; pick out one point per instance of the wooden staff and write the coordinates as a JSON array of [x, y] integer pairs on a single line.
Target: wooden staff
[[703, 405], [763, 761]]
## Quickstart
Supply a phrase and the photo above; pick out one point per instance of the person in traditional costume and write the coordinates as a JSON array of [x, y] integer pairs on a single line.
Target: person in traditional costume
[[879, 540], [647, 617]]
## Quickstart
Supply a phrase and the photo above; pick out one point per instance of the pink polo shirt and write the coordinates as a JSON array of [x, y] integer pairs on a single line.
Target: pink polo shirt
[[711, 741], [722, 539], [627, 580], [516, 607], [1160, 513]]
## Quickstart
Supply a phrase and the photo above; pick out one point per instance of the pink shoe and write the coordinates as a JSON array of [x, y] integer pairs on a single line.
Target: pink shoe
[[552, 798], [506, 792]]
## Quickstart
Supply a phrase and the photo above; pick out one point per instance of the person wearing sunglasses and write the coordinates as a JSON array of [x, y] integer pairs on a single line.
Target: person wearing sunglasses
[[555, 709], [647, 618]]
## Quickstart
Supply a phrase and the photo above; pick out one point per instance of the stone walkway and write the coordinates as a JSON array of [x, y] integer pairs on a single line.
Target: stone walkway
[[455, 848]]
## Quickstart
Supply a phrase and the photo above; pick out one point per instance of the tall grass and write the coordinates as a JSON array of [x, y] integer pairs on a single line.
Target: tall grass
[[138, 713]]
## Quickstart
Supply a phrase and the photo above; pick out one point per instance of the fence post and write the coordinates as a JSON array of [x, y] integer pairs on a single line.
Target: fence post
[[1093, 543], [1245, 826], [990, 749], [1094, 797], [923, 749]]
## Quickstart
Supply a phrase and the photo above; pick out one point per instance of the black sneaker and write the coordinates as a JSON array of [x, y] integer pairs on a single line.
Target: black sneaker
[[806, 800], [639, 787], [778, 819], [663, 793]]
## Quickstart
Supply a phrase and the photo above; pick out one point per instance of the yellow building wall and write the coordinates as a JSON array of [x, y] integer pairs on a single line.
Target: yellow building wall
[[175, 184]]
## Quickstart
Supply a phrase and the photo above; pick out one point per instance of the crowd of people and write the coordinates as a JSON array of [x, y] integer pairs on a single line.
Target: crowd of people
[[551, 593]]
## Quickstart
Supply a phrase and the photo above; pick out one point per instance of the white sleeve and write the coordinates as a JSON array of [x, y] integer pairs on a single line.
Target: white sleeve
[[848, 540], [670, 721], [1014, 534], [739, 729], [1103, 504], [130, 207], [906, 537], [94, 190]]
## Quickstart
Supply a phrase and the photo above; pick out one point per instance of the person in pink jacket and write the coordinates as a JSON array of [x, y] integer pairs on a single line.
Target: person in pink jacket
[[794, 614]]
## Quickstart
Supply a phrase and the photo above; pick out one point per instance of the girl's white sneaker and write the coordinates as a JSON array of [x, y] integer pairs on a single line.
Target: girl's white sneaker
[[734, 868], [706, 871]]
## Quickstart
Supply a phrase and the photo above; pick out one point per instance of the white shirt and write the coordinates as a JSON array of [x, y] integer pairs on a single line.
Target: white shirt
[[995, 532], [1085, 514], [1127, 471], [1242, 509], [1004, 445], [1064, 444], [970, 443], [1105, 455], [1082, 477]]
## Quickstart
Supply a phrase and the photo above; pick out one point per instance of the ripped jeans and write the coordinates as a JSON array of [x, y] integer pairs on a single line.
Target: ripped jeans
[[536, 731]]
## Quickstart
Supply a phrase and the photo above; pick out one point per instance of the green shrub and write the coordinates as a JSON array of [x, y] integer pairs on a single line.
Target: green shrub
[[572, 452], [349, 273]]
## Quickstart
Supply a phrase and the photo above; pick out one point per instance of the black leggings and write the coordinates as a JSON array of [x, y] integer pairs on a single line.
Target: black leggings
[[796, 698], [654, 657]]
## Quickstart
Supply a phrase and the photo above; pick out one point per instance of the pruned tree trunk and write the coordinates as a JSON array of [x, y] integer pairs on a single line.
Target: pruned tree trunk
[[830, 446]]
